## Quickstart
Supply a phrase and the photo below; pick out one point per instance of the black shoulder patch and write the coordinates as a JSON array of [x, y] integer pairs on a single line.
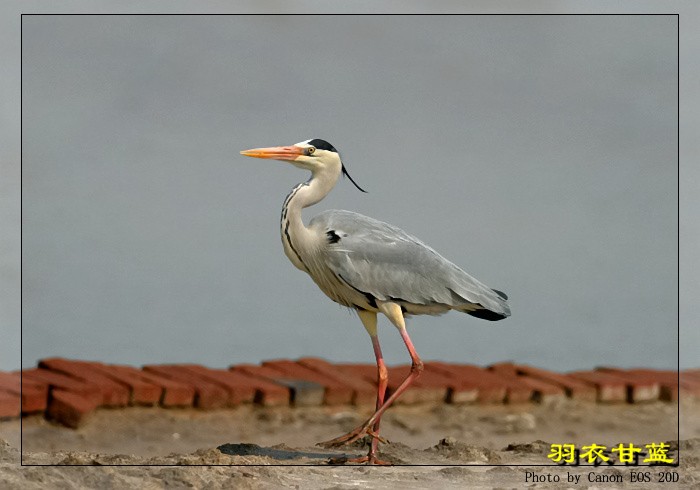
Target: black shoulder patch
[[501, 294], [333, 237], [322, 145]]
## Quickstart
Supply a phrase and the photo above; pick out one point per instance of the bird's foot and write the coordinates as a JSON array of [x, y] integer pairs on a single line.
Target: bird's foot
[[352, 436]]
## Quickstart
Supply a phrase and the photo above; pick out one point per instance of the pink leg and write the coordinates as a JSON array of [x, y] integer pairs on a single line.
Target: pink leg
[[416, 369], [382, 382], [393, 312]]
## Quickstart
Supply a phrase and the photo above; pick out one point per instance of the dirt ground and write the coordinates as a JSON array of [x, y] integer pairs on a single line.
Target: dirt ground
[[252, 447]]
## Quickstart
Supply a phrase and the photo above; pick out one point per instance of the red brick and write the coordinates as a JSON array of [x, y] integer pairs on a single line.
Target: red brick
[[58, 381], [671, 380], [667, 380], [301, 392], [207, 394], [10, 387], [70, 408], [364, 392], [610, 388], [34, 396], [141, 392], [541, 391], [517, 391], [113, 393], [266, 393], [491, 389], [640, 386], [173, 393], [506, 368], [240, 388], [688, 380], [8, 382], [368, 372], [459, 390], [335, 392], [9, 404], [573, 388]]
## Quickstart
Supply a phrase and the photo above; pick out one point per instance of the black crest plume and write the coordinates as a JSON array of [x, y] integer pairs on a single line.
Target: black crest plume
[[325, 145], [345, 172]]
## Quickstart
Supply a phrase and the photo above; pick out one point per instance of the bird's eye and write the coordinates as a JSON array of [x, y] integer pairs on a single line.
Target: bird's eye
[[310, 150]]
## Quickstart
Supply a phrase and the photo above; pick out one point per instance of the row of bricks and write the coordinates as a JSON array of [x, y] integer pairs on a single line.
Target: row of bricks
[[68, 390]]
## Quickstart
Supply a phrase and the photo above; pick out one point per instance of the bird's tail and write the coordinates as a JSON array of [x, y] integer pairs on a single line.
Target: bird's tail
[[485, 314], [498, 308]]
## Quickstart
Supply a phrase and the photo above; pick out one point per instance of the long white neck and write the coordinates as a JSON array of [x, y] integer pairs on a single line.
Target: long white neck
[[297, 239]]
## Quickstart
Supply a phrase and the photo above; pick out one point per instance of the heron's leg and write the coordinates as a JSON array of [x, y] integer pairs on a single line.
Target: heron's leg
[[369, 320], [393, 312], [395, 315]]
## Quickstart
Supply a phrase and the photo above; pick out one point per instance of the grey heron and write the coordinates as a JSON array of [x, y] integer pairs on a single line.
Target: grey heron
[[371, 267]]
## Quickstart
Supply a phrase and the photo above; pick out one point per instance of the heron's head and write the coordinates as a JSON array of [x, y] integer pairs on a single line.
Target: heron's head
[[314, 155]]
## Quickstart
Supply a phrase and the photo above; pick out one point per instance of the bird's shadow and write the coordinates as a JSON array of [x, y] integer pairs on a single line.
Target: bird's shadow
[[279, 453]]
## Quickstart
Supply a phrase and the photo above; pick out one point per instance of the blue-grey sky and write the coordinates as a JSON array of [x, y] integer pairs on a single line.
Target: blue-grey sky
[[538, 153]]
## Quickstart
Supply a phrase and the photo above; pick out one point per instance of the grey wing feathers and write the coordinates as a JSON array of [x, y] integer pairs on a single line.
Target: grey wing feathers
[[380, 259]]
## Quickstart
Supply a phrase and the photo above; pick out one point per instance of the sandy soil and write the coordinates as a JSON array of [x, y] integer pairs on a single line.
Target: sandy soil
[[275, 448]]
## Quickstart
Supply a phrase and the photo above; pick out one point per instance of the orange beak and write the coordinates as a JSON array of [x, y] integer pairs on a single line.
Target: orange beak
[[287, 153]]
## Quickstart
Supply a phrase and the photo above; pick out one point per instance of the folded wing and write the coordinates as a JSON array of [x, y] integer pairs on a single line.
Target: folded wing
[[382, 260]]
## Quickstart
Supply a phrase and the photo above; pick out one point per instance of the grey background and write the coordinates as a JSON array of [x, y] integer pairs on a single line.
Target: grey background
[[539, 153]]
